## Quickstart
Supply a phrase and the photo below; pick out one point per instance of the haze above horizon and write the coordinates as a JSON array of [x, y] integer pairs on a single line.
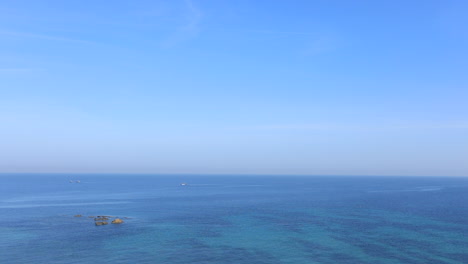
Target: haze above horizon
[[234, 87]]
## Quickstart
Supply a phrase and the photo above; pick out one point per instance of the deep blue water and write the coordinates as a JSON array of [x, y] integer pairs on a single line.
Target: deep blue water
[[229, 219]]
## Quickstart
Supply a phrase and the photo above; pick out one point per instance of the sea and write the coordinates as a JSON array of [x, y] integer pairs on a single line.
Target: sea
[[232, 219]]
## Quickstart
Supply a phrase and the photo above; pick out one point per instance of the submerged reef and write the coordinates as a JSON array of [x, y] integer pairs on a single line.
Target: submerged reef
[[103, 219]]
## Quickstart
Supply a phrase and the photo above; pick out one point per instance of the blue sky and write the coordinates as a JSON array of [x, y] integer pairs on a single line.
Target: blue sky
[[235, 87]]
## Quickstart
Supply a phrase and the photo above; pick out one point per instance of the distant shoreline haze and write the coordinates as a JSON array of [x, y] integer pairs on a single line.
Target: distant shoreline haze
[[216, 175]]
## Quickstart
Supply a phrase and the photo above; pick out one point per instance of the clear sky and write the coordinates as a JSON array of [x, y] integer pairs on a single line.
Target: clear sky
[[235, 87]]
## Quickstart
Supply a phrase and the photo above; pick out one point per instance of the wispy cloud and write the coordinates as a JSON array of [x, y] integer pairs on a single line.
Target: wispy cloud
[[279, 127], [17, 70], [276, 32], [363, 127], [322, 44], [191, 26], [43, 37], [314, 42], [193, 17]]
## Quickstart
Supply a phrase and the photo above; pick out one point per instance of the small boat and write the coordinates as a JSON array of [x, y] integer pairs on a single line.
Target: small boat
[[184, 184]]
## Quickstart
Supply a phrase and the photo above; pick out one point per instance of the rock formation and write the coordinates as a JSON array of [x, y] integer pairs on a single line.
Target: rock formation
[[117, 221], [103, 219]]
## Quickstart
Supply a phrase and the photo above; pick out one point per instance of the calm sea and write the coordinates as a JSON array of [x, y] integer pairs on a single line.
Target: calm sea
[[233, 219]]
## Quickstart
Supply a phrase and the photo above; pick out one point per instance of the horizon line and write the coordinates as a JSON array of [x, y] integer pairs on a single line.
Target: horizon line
[[225, 174]]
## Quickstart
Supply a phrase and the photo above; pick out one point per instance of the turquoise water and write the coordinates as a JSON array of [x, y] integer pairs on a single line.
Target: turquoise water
[[229, 219]]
